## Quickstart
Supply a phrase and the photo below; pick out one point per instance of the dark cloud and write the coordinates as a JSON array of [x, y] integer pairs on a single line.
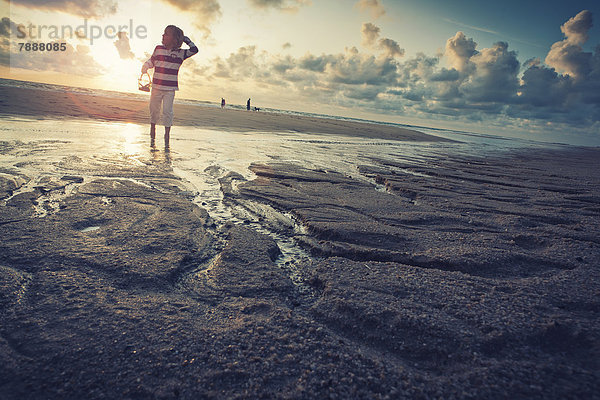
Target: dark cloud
[[414, 95], [486, 83], [243, 62], [282, 5], [418, 69], [362, 92], [315, 63], [7, 27], [494, 77], [205, 11], [374, 7], [415, 75], [544, 87], [445, 75], [370, 34], [221, 70], [391, 47], [122, 45], [355, 68], [84, 8], [283, 65], [532, 62], [592, 83]]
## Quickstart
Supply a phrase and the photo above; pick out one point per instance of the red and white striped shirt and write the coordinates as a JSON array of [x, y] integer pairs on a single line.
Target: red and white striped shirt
[[166, 65]]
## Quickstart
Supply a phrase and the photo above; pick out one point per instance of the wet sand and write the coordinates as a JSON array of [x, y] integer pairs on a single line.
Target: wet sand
[[44, 103], [422, 272]]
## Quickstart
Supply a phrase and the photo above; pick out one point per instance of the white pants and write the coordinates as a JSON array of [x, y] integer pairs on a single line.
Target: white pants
[[166, 97]]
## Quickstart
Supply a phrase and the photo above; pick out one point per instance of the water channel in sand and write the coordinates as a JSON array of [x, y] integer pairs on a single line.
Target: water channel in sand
[[202, 157]]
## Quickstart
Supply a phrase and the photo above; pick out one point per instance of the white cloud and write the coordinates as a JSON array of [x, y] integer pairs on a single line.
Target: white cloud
[[567, 56], [205, 11], [374, 7], [459, 50], [281, 5], [576, 29]]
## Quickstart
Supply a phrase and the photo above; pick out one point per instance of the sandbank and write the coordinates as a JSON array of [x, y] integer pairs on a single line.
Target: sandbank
[[45, 103]]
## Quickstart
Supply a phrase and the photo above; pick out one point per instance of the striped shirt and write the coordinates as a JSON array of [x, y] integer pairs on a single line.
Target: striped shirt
[[166, 65]]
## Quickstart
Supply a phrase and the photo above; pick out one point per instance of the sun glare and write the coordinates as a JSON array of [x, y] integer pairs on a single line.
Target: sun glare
[[118, 74], [131, 141]]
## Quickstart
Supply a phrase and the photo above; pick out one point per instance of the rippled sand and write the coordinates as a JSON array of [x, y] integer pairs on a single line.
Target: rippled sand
[[279, 264]]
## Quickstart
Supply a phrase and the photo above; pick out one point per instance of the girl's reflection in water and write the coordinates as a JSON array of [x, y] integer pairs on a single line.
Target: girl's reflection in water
[[163, 157]]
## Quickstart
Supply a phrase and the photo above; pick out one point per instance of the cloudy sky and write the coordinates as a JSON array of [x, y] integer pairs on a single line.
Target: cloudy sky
[[531, 67]]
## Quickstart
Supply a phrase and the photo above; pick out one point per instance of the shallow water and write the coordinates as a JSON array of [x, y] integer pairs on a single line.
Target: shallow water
[[200, 157]]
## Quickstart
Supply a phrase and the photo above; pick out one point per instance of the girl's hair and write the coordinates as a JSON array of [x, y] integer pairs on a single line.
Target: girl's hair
[[178, 33]]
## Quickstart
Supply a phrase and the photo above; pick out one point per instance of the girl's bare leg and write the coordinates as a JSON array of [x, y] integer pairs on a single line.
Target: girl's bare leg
[[167, 135], [152, 134]]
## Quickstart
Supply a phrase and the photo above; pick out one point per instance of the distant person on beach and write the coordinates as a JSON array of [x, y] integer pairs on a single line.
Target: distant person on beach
[[248, 105], [166, 60], [222, 103]]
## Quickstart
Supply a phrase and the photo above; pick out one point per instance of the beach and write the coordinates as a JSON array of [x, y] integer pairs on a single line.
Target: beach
[[32, 102], [265, 255]]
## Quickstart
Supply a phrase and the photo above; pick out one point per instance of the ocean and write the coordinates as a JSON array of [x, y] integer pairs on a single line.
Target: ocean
[[492, 140]]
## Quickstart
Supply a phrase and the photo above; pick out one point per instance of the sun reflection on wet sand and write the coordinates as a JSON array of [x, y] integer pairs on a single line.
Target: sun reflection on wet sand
[[79, 137], [201, 156], [132, 138]]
